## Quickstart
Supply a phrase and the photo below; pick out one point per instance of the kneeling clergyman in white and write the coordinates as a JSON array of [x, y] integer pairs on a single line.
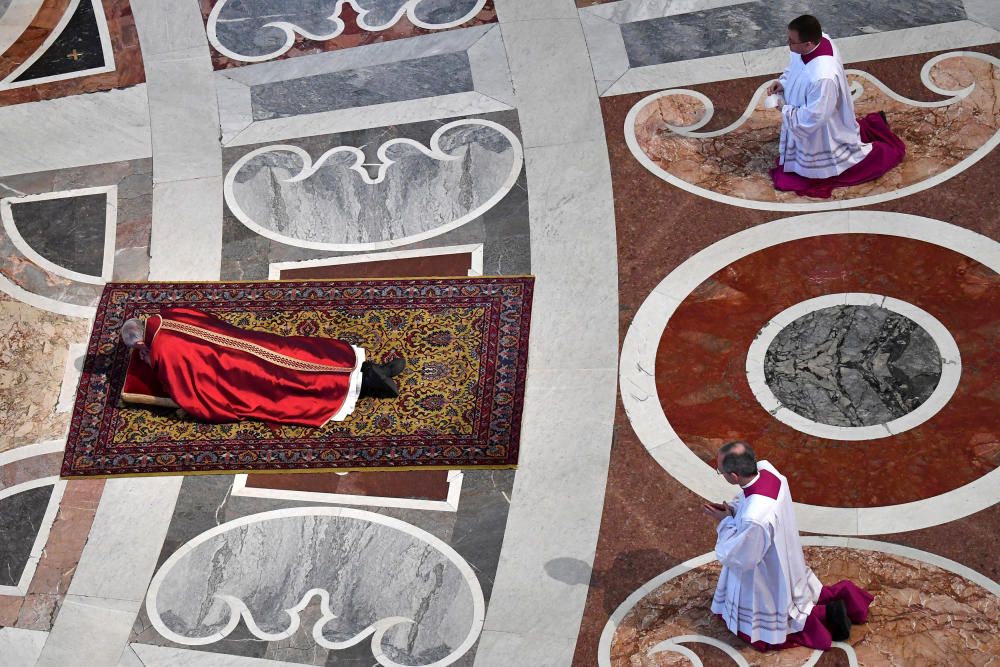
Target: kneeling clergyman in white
[[767, 594]]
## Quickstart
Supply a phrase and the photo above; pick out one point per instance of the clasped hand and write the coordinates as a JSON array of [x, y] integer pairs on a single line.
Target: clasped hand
[[775, 87], [718, 511]]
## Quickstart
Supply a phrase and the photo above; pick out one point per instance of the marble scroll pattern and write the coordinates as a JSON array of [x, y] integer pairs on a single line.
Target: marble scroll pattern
[[853, 365], [730, 165], [417, 192], [259, 30], [926, 608], [32, 361], [376, 576]]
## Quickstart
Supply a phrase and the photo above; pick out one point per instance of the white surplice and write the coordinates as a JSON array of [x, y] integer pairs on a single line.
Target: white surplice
[[766, 590], [820, 136]]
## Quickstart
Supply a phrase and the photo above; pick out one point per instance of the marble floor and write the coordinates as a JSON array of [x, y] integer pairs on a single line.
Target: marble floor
[[614, 149]]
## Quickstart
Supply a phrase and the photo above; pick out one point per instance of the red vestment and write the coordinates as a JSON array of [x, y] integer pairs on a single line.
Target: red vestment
[[218, 372]]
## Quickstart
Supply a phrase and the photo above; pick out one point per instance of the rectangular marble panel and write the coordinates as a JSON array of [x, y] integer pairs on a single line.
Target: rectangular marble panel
[[441, 74], [759, 25]]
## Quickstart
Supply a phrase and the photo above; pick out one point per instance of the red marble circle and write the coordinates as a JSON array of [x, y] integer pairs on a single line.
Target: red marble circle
[[702, 383]]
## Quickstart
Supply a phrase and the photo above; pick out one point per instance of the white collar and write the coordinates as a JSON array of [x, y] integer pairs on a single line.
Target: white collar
[[750, 483]]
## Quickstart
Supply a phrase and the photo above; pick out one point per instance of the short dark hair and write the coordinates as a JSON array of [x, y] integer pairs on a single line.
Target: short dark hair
[[738, 457], [808, 28]]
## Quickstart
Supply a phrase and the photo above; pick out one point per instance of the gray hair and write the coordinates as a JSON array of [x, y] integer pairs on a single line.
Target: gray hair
[[133, 331], [738, 457]]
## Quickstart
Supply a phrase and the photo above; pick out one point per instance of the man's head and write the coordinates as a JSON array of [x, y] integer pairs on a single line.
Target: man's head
[[736, 462], [133, 332], [804, 34]]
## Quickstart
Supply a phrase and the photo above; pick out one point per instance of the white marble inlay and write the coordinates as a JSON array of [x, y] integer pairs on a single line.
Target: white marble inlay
[[638, 384], [474, 249], [108, 52], [409, 8], [951, 367], [21, 647], [607, 636], [42, 536], [953, 96], [368, 565], [111, 220], [418, 192], [450, 504], [76, 354]]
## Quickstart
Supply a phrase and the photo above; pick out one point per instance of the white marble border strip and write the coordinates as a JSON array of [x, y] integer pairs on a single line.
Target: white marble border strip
[[607, 636], [42, 536], [910, 41], [108, 51], [638, 359], [21, 647], [110, 227], [240, 489], [433, 150], [951, 367], [475, 249], [475, 590], [72, 372], [633, 143], [44, 302], [29, 451]]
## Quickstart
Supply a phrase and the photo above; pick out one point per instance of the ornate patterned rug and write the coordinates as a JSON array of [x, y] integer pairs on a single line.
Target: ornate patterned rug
[[465, 340]]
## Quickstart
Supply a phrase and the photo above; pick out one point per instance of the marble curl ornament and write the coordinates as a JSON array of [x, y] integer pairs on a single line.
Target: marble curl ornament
[[729, 165], [375, 576], [417, 191], [274, 25]]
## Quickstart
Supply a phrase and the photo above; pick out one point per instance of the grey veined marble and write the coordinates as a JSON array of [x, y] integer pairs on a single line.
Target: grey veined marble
[[375, 571], [852, 366], [406, 191], [260, 29]]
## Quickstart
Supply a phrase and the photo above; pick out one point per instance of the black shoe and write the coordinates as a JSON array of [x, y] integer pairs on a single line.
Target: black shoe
[[376, 383], [837, 621], [395, 367], [884, 119]]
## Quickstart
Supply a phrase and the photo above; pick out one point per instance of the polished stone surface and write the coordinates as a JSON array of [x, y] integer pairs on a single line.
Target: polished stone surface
[[77, 48], [852, 366], [379, 84], [68, 231], [922, 614], [759, 25], [20, 518]]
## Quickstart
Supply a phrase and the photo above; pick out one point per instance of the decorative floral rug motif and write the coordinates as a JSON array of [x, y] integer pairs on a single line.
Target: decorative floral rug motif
[[465, 341]]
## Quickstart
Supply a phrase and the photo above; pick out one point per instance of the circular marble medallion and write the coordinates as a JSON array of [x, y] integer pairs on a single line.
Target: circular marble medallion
[[853, 366]]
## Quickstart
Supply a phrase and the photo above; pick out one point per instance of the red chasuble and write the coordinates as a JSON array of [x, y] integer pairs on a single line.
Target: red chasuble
[[221, 373]]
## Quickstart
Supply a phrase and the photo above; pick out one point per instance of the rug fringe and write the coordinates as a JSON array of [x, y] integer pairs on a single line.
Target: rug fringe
[[292, 471]]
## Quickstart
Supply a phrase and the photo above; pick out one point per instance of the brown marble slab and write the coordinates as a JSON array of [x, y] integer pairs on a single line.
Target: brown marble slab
[[420, 484], [128, 63], [34, 35], [353, 34], [456, 264]]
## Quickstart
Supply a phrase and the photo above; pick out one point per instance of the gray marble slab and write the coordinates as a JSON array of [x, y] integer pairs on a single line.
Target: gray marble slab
[[418, 193], [760, 25], [852, 366], [243, 28], [20, 518], [67, 231], [379, 84]]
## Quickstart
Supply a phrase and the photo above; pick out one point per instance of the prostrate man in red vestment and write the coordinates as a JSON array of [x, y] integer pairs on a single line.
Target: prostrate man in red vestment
[[217, 372], [767, 594], [822, 145]]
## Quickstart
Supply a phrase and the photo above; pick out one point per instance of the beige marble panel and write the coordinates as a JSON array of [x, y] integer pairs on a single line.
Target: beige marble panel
[[32, 358]]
